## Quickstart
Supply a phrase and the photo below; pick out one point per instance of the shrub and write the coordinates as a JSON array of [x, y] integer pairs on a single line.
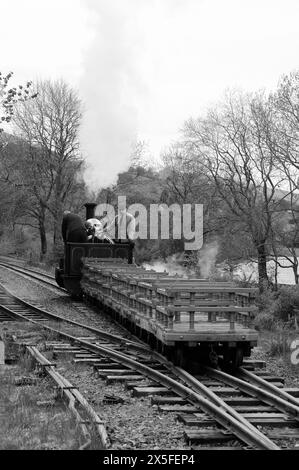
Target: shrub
[[286, 303], [265, 321]]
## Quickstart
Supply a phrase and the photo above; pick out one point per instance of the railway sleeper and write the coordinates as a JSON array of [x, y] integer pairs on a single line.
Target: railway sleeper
[[248, 401], [292, 391], [217, 448], [122, 378], [101, 365], [106, 372], [201, 420], [213, 435], [185, 408], [168, 401], [254, 363], [143, 383], [146, 391], [207, 436]]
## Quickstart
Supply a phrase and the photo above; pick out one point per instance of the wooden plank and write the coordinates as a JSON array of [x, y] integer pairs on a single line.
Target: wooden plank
[[191, 420], [273, 378], [195, 308], [144, 391], [208, 383], [208, 435], [168, 401], [216, 448], [253, 409], [106, 365], [283, 433], [86, 361], [255, 363], [122, 378], [143, 383], [104, 372], [241, 401], [225, 391], [292, 391]]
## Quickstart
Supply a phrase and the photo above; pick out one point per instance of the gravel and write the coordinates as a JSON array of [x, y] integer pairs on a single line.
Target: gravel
[[135, 424], [278, 366]]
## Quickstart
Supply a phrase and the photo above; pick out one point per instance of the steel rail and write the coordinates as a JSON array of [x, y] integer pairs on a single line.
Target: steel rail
[[203, 389], [253, 390], [245, 374], [6, 263], [137, 343], [55, 317], [30, 273]]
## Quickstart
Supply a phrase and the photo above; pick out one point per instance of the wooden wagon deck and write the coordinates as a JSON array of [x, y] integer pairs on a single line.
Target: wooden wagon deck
[[206, 331], [173, 309]]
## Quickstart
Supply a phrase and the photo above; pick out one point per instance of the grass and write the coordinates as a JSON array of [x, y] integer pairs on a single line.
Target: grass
[[31, 417], [278, 343]]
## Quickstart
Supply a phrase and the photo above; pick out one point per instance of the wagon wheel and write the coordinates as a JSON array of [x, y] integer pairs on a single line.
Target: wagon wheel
[[180, 359], [237, 358]]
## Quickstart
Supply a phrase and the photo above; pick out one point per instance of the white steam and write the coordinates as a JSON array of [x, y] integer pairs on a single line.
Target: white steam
[[207, 259], [206, 263], [121, 80], [172, 266], [110, 87]]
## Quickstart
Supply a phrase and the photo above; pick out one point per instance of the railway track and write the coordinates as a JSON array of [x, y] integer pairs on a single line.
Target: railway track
[[215, 407], [50, 283], [43, 278]]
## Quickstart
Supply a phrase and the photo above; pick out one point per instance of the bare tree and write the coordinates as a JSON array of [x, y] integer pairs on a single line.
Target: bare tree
[[235, 144], [285, 234], [50, 125], [10, 96], [25, 172], [285, 101], [186, 181]]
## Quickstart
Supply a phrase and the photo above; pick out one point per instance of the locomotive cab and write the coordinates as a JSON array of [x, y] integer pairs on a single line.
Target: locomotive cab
[[68, 275]]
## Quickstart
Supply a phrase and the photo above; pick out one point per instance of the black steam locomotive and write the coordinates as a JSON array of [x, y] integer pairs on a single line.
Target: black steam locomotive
[[68, 275]]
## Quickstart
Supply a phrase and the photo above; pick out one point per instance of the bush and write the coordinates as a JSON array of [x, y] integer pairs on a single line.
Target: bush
[[266, 300], [276, 308], [286, 303], [278, 347], [265, 321]]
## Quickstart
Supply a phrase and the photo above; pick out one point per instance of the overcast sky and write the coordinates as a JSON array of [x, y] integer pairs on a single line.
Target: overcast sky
[[142, 67]]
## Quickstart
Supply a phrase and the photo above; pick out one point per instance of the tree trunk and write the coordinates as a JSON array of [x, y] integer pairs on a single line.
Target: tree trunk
[[43, 239], [276, 274], [262, 266], [296, 275], [57, 225]]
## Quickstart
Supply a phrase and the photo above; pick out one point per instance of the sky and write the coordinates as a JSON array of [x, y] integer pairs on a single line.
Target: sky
[[143, 67]]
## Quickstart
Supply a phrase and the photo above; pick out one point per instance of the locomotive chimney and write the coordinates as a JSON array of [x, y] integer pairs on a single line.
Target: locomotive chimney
[[90, 209]]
